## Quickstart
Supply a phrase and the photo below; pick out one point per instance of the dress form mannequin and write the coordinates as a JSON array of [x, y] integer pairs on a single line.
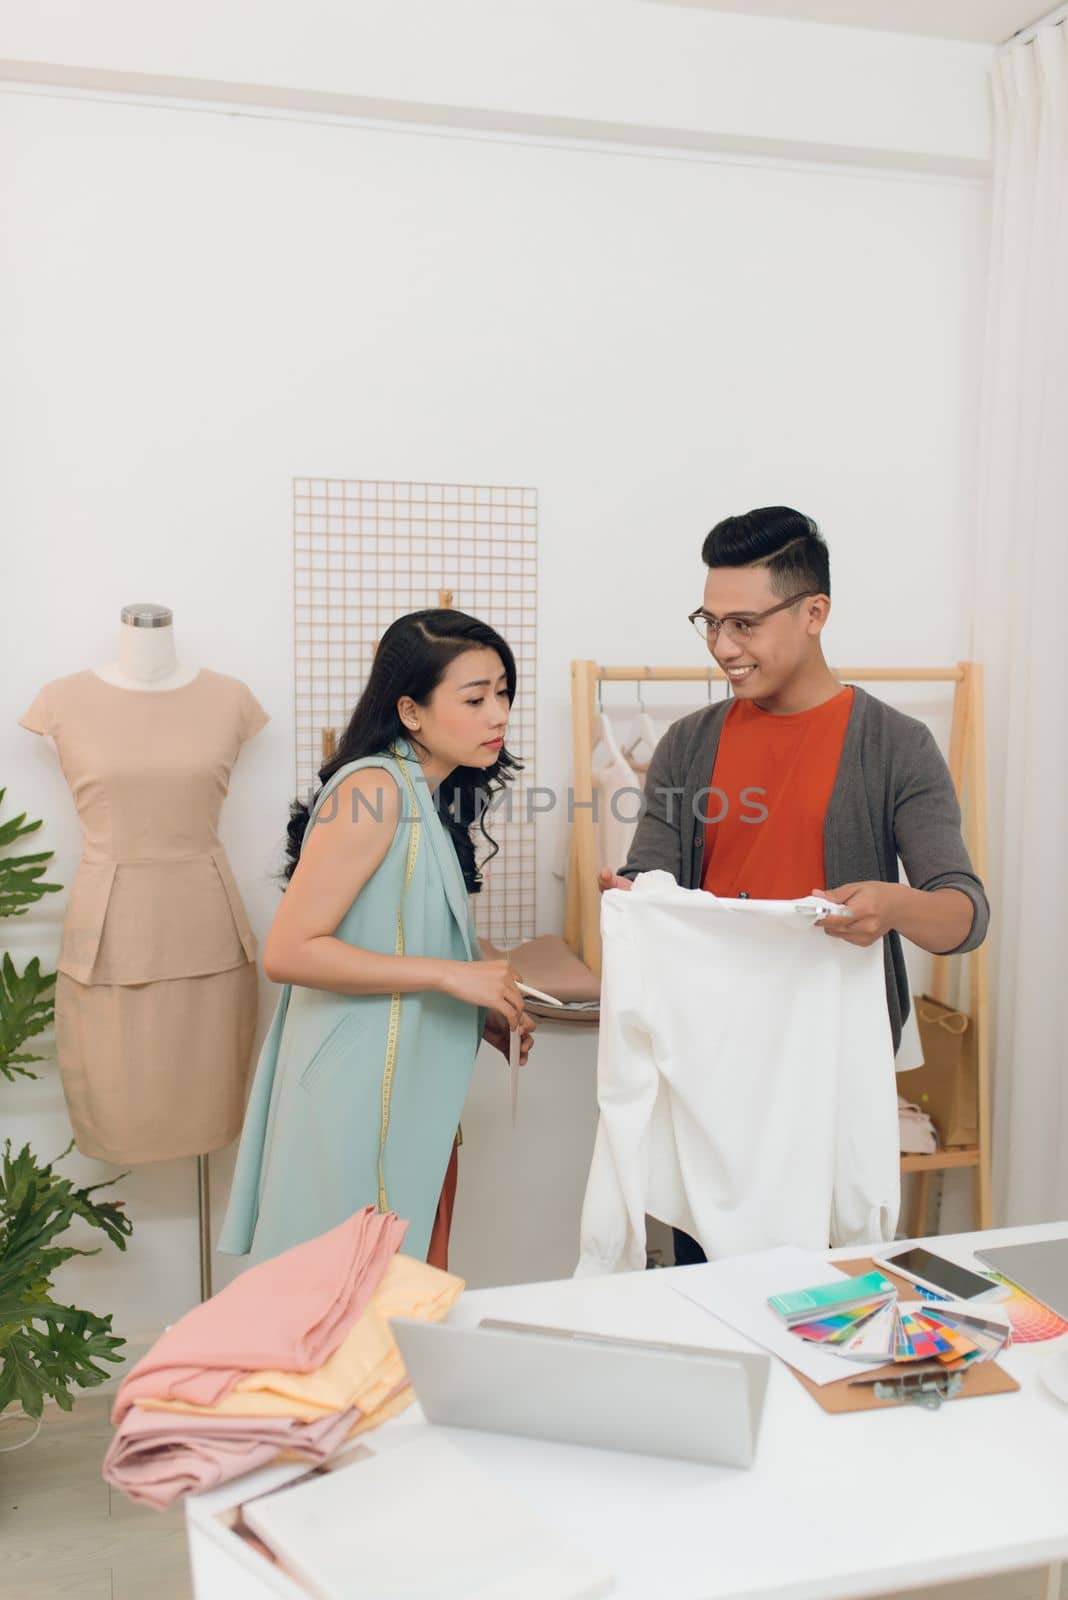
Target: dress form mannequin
[[149, 662], [134, 979], [147, 657]]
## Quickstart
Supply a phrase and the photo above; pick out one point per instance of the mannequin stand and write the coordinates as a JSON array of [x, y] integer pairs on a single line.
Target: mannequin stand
[[204, 1224]]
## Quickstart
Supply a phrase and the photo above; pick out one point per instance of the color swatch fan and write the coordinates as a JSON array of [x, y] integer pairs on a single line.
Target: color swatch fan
[[863, 1320]]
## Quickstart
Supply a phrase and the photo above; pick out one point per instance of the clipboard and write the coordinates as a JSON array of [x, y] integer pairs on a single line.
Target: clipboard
[[858, 1393]]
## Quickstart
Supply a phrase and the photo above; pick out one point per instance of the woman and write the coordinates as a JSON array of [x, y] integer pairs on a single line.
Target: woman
[[364, 1072]]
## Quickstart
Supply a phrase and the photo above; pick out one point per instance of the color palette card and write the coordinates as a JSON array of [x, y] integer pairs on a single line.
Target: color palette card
[[845, 1295], [839, 1327], [874, 1341], [956, 1338], [1030, 1320], [950, 1333]]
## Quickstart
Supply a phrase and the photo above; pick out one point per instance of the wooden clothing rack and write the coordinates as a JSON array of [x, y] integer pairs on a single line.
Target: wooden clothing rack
[[582, 924]]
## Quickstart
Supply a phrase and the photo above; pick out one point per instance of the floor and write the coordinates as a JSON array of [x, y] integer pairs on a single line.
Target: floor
[[64, 1533]]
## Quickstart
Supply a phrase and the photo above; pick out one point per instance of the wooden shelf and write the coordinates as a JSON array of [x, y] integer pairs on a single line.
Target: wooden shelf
[[963, 1156]]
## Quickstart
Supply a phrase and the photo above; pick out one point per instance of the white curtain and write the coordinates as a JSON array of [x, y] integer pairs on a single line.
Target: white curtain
[[1021, 620]]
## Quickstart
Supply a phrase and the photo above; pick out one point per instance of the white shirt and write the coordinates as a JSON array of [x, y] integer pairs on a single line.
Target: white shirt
[[745, 1077]]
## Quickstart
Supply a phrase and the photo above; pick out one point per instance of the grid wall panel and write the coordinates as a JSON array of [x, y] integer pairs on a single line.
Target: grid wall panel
[[367, 550]]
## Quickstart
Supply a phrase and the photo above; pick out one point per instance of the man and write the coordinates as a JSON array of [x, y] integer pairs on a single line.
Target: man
[[798, 782]]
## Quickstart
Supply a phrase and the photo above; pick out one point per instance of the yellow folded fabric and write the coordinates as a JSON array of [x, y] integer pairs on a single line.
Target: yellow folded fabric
[[365, 1371], [392, 1408]]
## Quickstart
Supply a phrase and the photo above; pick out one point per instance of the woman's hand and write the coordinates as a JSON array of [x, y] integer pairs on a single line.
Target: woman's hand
[[497, 1033], [607, 879], [484, 983]]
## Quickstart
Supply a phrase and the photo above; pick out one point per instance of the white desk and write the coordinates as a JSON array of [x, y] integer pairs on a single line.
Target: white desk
[[834, 1506]]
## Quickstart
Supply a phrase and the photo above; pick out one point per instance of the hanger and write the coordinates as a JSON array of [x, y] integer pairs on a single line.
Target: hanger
[[603, 733], [608, 738], [647, 734]]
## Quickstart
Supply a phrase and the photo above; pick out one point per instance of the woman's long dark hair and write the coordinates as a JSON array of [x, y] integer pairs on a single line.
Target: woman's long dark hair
[[411, 659]]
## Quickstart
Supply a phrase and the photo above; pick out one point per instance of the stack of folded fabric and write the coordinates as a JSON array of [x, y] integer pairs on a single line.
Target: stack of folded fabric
[[287, 1362], [917, 1131]]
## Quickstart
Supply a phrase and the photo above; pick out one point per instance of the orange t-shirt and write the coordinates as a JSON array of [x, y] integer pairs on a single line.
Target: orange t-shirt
[[771, 786]]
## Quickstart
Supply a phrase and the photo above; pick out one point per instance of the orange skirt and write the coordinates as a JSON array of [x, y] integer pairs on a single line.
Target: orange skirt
[[438, 1253]]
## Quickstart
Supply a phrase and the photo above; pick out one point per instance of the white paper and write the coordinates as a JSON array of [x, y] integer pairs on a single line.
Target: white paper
[[349, 1534], [737, 1290], [515, 1039]]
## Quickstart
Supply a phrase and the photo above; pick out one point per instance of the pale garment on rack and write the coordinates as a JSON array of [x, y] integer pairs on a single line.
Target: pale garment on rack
[[640, 743], [619, 767]]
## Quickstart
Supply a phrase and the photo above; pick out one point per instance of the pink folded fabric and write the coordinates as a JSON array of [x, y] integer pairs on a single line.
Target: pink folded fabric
[[291, 1312], [158, 1456], [917, 1131]]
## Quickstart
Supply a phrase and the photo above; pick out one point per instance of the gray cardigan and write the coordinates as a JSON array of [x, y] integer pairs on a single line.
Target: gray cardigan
[[893, 797]]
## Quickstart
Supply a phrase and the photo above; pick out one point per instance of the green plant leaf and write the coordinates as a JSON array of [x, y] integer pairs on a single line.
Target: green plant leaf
[[27, 1008], [13, 828], [20, 876], [47, 1347], [19, 1381]]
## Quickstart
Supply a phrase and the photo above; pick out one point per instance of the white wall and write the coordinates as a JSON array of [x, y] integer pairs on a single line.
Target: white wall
[[199, 307], [622, 69]]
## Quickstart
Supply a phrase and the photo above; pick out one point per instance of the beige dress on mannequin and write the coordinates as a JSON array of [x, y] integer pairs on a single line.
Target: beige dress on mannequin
[[156, 986]]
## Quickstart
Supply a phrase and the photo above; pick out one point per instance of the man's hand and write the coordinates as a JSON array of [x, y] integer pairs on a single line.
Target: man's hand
[[607, 879], [873, 909], [938, 920], [496, 1033]]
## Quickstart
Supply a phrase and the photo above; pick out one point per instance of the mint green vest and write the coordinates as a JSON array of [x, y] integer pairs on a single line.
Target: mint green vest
[[356, 1098]]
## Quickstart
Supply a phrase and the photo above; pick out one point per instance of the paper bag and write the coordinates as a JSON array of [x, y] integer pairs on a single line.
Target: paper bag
[[947, 1085]]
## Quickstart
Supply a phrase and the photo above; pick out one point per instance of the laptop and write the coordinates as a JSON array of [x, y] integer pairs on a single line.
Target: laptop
[[684, 1401], [1040, 1268]]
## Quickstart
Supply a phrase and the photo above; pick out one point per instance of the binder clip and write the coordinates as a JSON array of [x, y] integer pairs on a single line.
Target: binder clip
[[927, 1389]]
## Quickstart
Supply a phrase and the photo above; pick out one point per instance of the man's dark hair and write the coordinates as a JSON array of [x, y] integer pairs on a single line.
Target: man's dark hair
[[785, 541]]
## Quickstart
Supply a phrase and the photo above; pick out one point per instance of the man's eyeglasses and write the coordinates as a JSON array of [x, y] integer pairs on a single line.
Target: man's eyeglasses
[[740, 629]]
